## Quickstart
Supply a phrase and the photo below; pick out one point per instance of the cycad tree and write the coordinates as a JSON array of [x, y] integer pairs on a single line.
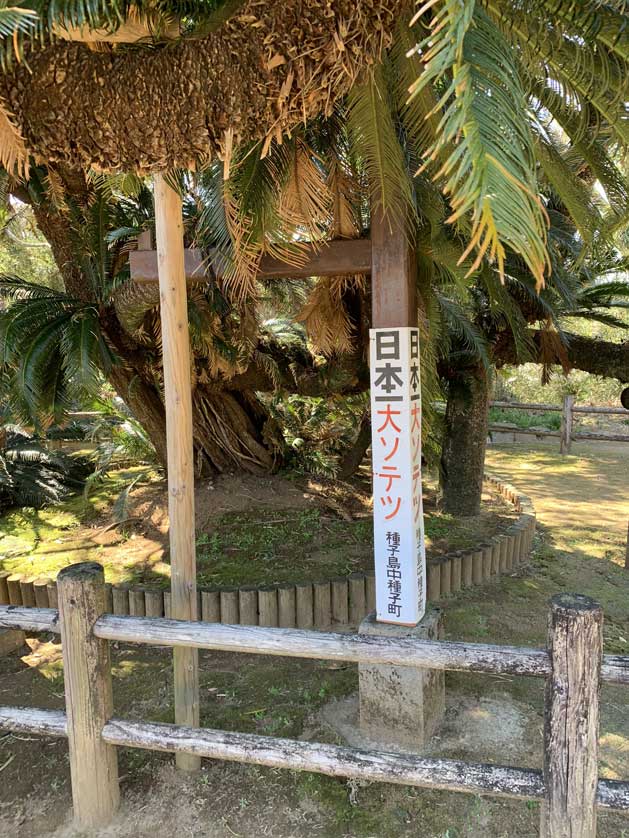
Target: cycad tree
[[505, 97]]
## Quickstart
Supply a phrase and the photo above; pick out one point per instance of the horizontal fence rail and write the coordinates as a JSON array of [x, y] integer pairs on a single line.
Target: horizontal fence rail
[[333, 760], [572, 666], [351, 648], [567, 434]]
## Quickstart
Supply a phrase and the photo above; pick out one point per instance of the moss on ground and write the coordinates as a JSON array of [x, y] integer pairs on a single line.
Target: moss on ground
[[255, 546]]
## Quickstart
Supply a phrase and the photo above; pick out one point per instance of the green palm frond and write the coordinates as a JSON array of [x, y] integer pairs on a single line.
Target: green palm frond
[[374, 139], [465, 334], [53, 346], [15, 19], [485, 145], [575, 195], [585, 71]]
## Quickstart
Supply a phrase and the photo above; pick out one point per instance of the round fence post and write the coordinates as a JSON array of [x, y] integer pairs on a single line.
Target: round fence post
[[88, 693], [571, 718]]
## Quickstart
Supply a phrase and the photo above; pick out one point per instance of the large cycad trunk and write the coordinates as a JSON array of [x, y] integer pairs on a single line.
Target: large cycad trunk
[[464, 441], [232, 429]]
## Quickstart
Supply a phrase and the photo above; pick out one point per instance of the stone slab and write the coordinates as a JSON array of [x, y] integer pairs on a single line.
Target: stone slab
[[399, 705]]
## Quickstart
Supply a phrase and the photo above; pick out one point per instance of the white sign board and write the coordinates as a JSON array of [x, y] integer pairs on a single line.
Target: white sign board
[[400, 555]]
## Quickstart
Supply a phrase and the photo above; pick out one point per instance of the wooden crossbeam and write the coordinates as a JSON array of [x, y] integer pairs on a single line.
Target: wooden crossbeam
[[335, 258]]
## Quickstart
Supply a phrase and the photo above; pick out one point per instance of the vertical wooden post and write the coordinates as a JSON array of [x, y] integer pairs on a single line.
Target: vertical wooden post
[[88, 691], [396, 392], [571, 718], [393, 281], [627, 549], [565, 441], [178, 404]]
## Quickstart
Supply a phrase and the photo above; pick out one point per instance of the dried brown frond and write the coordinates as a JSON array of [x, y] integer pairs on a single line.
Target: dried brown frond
[[56, 190], [238, 280], [13, 153], [262, 73], [325, 316], [305, 201], [345, 199]]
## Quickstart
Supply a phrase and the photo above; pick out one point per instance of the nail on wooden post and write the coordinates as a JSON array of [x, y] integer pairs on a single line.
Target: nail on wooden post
[[304, 602], [89, 698], [179, 446], [357, 601], [571, 718]]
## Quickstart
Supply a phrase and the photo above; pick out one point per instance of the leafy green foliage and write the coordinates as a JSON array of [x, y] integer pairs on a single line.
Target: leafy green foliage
[[31, 475], [52, 347], [484, 144], [317, 430]]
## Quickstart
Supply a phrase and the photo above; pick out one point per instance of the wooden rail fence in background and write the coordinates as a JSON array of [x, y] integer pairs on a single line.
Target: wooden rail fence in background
[[566, 434], [573, 666]]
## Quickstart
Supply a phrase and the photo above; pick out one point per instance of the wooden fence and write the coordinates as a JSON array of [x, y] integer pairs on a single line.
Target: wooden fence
[[566, 434], [573, 666]]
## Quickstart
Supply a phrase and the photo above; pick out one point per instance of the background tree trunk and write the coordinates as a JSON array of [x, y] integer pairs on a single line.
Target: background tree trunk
[[465, 440]]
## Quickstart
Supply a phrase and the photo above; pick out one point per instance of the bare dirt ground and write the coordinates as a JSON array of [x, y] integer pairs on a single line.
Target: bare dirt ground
[[582, 502]]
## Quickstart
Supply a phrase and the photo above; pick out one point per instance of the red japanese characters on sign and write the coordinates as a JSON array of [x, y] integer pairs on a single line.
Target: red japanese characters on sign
[[397, 487]]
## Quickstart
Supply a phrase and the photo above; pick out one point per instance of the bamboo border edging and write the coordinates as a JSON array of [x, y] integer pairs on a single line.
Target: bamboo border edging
[[319, 604]]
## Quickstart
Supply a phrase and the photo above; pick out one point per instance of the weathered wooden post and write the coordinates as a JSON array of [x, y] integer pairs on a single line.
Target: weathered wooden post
[[401, 705], [178, 404], [565, 441], [88, 693], [571, 718]]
